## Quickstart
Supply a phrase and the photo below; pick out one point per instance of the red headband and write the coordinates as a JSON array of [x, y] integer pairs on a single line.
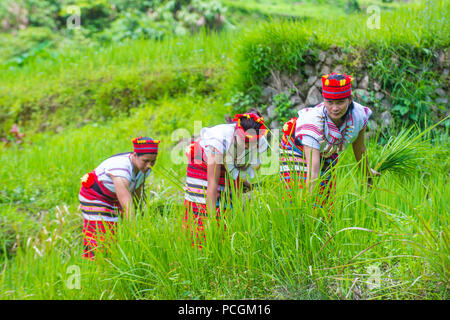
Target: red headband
[[334, 89], [145, 145], [240, 130]]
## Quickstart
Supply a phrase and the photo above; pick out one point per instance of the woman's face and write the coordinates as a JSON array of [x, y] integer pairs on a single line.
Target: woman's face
[[336, 109], [145, 161]]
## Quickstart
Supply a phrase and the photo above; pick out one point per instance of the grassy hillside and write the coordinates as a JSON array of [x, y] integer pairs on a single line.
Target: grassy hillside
[[80, 84], [86, 84]]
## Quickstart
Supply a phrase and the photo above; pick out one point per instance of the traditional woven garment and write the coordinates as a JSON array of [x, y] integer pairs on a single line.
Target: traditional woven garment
[[100, 209], [197, 180], [313, 124], [98, 200], [95, 236], [293, 168], [220, 140]]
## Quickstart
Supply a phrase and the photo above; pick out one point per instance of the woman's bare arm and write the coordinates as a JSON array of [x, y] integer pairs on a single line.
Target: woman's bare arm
[[213, 170], [122, 187], [360, 151], [312, 158]]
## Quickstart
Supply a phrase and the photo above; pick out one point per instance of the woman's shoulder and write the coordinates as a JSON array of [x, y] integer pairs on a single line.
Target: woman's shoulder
[[219, 136], [119, 165], [310, 122], [360, 109], [218, 131], [311, 115], [315, 112], [361, 115]]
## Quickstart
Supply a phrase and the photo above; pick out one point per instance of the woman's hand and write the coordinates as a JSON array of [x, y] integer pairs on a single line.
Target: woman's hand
[[246, 186], [371, 174]]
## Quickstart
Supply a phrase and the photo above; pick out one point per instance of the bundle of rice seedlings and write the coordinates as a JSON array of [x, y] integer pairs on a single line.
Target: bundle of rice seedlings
[[402, 154]]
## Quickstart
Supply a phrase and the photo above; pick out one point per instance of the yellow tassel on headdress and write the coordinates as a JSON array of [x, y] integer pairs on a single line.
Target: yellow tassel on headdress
[[327, 82]]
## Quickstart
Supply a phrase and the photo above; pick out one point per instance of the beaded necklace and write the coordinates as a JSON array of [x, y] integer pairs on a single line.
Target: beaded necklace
[[338, 143], [143, 196]]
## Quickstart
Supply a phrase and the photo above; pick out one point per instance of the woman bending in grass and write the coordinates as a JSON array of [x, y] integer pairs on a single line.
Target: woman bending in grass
[[225, 155], [311, 142], [108, 191]]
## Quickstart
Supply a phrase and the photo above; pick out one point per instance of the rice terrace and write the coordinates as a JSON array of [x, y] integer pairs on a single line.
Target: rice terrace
[[224, 150]]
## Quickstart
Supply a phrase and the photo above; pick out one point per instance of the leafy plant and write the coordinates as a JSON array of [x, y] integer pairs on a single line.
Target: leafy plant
[[241, 102], [283, 107], [404, 153], [401, 154]]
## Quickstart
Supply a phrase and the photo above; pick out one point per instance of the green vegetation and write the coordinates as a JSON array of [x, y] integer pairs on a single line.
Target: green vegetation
[[80, 86], [57, 23], [401, 54], [272, 249], [84, 99]]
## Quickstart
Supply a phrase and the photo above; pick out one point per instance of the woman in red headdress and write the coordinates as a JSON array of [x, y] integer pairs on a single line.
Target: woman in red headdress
[[311, 142], [108, 191], [224, 156]]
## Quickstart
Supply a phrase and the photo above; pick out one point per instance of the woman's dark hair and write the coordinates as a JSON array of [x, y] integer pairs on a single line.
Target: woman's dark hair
[[336, 76], [248, 123]]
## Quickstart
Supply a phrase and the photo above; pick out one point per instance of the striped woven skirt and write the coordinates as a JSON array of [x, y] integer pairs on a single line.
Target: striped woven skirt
[[97, 236], [100, 208], [195, 193], [293, 171]]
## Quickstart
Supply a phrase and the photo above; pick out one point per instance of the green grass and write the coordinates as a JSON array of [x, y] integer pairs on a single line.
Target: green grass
[[77, 84], [271, 250], [301, 10], [92, 84], [283, 45]]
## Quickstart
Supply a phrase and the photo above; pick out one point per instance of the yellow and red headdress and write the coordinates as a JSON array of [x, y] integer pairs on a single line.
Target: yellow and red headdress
[[262, 131], [145, 145], [336, 86], [289, 127]]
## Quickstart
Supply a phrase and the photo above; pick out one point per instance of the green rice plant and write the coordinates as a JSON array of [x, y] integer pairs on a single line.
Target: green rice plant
[[403, 154], [272, 248]]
